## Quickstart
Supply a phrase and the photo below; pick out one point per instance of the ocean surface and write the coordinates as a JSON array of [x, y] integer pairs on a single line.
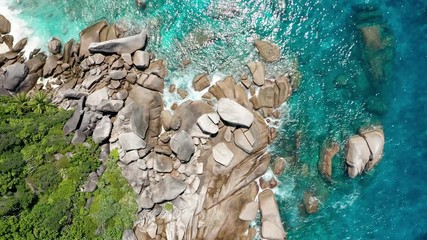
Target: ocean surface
[[343, 87]]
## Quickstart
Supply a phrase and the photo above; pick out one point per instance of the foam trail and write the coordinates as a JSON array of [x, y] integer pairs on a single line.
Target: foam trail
[[19, 28]]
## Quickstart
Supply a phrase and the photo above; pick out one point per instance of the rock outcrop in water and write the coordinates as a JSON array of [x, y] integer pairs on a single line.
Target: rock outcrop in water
[[364, 151]]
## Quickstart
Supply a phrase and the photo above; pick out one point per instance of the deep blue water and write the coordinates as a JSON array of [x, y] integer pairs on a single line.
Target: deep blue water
[[322, 37]]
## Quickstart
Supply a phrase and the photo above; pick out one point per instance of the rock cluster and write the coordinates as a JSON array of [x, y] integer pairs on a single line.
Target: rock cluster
[[364, 151], [201, 159], [17, 74]]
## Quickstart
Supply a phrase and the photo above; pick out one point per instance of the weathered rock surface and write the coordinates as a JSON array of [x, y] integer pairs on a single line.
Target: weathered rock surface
[[129, 235], [117, 74], [94, 99], [249, 211], [14, 75], [163, 164], [110, 106], [54, 46], [102, 130], [139, 121], [141, 59], [201, 82], [375, 140], [234, 113], [121, 45], [272, 227], [131, 141], [222, 154], [207, 125], [90, 35], [269, 52], [258, 72], [74, 122], [4, 25], [167, 189], [182, 145], [357, 156], [325, 164]]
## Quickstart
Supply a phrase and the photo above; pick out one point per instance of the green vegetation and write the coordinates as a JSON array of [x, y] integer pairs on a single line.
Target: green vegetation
[[41, 175]]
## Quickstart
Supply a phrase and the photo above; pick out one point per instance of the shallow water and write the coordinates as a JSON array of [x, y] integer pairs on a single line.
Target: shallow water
[[332, 102]]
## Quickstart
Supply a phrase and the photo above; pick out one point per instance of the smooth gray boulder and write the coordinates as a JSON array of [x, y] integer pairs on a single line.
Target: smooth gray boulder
[[139, 121], [129, 157], [182, 145], [14, 75], [242, 141], [167, 189], [141, 59], [207, 125], [107, 105], [131, 141], [74, 122], [234, 113], [121, 45], [95, 98], [102, 130]]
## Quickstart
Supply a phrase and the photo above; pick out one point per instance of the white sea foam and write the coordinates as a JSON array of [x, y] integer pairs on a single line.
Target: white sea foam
[[19, 28]]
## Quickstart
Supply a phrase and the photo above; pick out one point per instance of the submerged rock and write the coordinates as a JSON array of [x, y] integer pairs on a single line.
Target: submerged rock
[[269, 52], [311, 203], [325, 164]]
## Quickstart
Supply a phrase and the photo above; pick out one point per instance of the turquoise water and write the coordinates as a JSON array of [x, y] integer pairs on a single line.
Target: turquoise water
[[334, 99]]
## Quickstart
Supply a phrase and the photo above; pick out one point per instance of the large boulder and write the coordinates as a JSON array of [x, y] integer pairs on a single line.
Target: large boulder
[[141, 59], [50, 65], [222, 154], [269, 52], [249, 211], [357, 155], [29, 82], [4, 25], [139, 121], [163, 164], [110, 106], [182, 145], [207, 125], [20, 45], [102, 130], [74, 122], [131, 141], [375, 140], [258, 72], [121, 45], [90, 35], [167, 189], [54, 46], [94, 99], [234, 113], [272, 227], [325, 164], [201, 82], [14, 75]]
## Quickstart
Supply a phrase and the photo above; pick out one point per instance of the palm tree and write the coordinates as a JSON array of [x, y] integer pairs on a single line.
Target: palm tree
[[21, 103], [40, 103]]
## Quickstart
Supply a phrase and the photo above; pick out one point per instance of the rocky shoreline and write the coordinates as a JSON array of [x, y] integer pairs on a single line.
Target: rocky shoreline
[[196, 168]]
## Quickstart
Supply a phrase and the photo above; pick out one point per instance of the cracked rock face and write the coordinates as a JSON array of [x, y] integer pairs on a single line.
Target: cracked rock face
[[364, 151]]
